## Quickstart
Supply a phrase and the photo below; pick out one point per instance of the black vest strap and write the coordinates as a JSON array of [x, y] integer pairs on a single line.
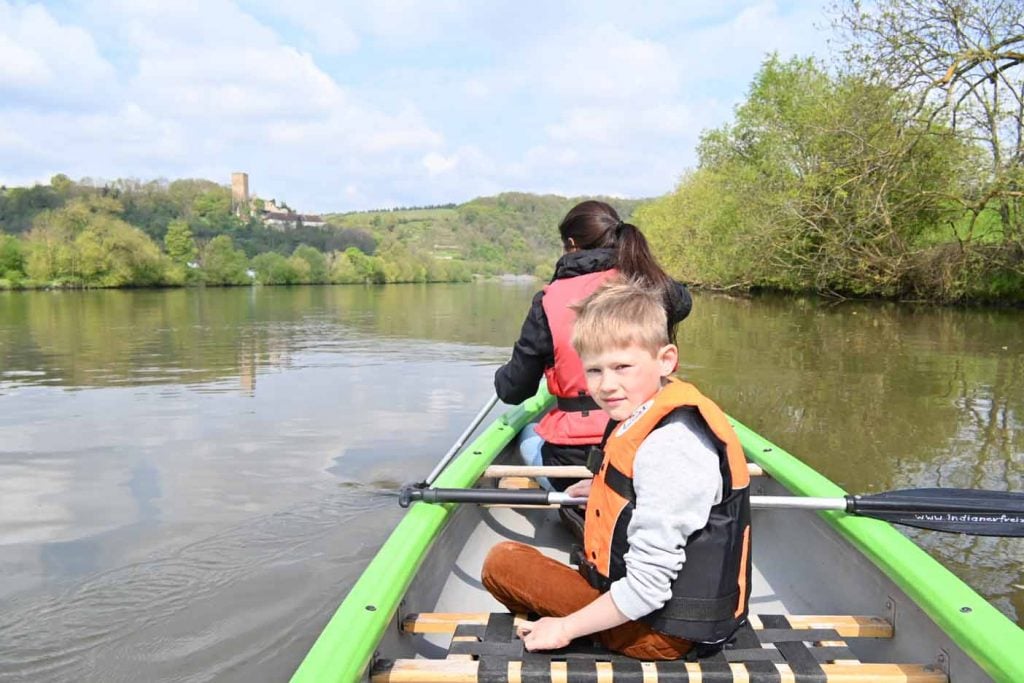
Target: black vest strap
[[588, 570], [620, 483], [700, 609], [595, 454], [577, 404]]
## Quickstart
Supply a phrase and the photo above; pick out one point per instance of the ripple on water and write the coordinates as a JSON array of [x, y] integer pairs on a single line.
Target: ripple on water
[[194, 599]]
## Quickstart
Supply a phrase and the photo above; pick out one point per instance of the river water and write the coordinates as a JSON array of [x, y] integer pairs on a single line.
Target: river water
[[190, 480]]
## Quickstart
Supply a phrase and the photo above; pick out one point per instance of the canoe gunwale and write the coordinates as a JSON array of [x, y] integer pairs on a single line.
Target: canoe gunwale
[[345, 648], [981, 631]]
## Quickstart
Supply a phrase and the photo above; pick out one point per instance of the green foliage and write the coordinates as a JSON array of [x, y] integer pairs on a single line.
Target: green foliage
[[115, 254], [223, 264], [181, 247], [316, 264], [274, 269], [20, 205], [62, 185], [12, 257], [819, 183], [368, 269], [509, 233], [86, 244]]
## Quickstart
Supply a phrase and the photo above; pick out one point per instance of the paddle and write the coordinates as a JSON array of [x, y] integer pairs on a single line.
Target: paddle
[[964, 511], [491, 402]]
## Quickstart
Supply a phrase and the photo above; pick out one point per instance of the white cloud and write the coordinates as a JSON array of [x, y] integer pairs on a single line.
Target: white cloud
[[412, 22], [600, 63], [733, 50], [332, 33], [436, 163], [357, 105], [44, 61]]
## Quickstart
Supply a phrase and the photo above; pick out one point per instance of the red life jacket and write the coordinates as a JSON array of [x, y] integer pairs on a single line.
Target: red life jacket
[[576, 420], [711, 592]]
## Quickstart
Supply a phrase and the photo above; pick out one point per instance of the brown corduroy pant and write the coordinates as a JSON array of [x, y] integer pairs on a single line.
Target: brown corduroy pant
[[524, 580]]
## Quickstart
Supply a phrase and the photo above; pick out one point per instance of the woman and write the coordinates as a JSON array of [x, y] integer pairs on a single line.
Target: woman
[[598, 244]]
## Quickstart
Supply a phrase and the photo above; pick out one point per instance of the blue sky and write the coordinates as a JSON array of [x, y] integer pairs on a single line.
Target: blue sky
[[336, 106]]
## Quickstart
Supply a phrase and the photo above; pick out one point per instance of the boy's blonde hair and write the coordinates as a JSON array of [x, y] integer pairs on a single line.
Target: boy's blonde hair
[[618, 314]]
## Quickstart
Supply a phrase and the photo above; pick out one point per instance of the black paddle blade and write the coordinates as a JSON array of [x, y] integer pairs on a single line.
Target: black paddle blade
[[965, 511]]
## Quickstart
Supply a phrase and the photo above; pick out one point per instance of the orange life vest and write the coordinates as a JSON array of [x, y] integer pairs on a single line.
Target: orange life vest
[[710, 594], [575, 420]]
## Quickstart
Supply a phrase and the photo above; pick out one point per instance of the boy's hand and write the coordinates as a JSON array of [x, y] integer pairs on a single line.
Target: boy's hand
[[549, 633], [580, 489]]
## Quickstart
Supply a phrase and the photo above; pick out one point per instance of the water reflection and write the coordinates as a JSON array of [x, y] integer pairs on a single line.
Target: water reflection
[[156, 446], [198, 336]]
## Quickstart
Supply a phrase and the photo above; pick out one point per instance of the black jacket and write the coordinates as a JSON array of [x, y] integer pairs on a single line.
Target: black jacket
[[517, 380]]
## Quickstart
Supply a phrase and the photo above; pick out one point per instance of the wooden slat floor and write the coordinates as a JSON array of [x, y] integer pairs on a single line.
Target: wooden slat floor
[[769, 649]]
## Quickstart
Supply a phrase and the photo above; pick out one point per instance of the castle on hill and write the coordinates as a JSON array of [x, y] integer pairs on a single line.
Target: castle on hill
[[281, 217]]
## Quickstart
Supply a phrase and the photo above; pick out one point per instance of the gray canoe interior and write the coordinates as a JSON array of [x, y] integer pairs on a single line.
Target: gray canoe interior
[[801, 566]]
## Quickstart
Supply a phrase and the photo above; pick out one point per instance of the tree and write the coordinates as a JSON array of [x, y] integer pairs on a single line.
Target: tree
[[817, 184], [180, 245], [223, 264], [61, 184], [19, 206], [369, 269], [316, 263], [115, 254], [12, 260], [962, 61], [274, 269]]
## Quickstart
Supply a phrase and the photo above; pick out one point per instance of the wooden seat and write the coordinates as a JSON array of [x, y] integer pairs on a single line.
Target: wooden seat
[[769, 649]]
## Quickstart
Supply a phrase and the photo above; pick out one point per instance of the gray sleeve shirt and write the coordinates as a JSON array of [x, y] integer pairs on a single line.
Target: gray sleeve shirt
[[677, 481]]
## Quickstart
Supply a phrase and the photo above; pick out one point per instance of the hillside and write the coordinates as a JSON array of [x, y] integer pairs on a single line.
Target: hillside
[[512, 232], [132, 233]]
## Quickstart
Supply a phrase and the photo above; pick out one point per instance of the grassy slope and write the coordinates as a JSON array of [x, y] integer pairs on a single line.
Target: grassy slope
[[511, 232]]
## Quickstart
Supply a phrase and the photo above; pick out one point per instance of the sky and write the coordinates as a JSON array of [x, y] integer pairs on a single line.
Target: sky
[[341, 106]]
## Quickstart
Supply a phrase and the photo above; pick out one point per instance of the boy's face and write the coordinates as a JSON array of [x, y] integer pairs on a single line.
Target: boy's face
[[621, 380]]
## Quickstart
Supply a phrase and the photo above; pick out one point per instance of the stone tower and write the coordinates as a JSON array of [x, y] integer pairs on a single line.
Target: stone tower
[[240, 194]]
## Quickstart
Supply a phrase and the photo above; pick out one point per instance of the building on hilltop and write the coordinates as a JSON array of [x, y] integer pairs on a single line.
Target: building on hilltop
[[268, 211], [287, 220]]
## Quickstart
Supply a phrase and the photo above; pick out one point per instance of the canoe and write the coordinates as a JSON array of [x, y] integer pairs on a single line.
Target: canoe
[[835, 597]]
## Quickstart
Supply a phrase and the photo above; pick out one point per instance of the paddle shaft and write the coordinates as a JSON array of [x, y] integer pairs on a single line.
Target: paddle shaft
[[432, 477], [544, 497], [978, 512]]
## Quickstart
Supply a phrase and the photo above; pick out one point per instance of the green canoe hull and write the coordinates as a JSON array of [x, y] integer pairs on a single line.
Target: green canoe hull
[[956, 627]]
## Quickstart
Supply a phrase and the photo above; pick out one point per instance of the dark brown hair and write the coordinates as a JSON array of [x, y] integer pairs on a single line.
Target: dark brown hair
[[593, 225]]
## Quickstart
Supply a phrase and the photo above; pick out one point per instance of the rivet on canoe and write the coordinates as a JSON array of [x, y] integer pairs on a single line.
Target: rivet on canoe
[[371, 608], [765, 450], [965, 610], [476, 452]]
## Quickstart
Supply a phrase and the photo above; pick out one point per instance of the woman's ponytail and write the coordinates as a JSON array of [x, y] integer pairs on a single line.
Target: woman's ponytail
[[635, 260]]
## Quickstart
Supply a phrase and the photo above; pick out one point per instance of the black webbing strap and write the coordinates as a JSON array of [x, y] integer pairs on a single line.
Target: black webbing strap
[[672, 672], [499, 631], [499, 645], [581, 671], [777, 635], [774, 621], [588, 570], [745, 637], [577, 404], [536, 668], [627, 671], [700, 609], [620, 483], [803, 664], [763, 672]]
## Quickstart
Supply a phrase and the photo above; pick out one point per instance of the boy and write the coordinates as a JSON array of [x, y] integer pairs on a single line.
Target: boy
[[666, 560]]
